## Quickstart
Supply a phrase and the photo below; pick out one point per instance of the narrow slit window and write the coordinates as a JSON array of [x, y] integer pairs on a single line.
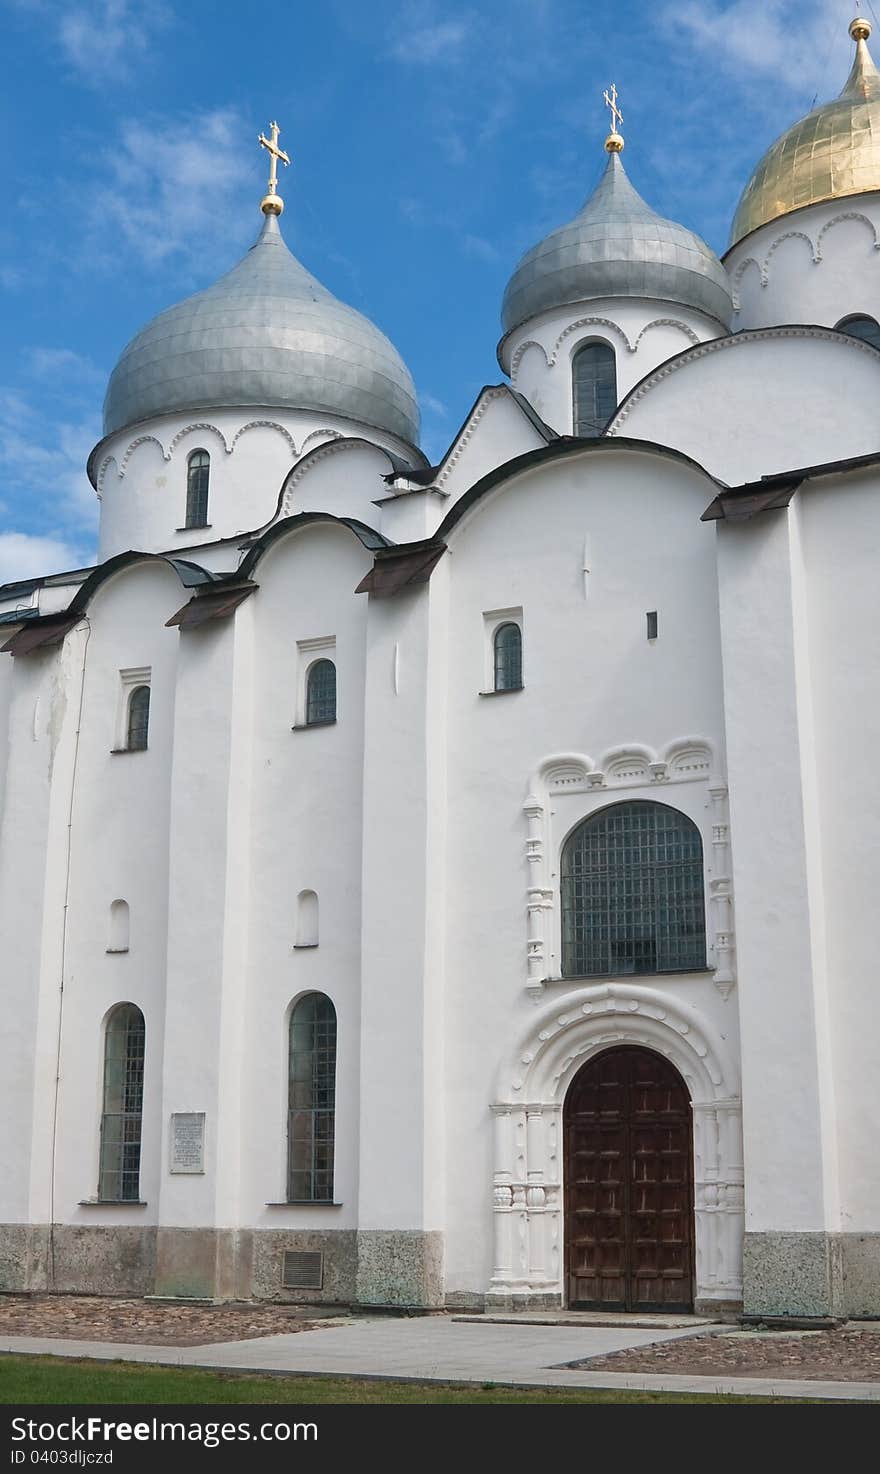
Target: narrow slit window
[[651, 622], [138, 719], [198, 472], [508, 657], [594, 372], [321, 693], [311, 1122], [123, 1105]]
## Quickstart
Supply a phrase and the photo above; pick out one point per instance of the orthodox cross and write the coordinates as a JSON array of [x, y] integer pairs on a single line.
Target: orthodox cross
[[275, 153], [616, 114]]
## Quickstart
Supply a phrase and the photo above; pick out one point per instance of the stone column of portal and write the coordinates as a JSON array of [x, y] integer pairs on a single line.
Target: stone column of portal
[[200, 1250], [791, 1194], [401, 1173], [42, 710]]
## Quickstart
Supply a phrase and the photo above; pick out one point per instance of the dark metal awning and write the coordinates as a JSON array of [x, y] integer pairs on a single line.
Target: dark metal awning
[[219, 604], [38, 634], [401, 568]]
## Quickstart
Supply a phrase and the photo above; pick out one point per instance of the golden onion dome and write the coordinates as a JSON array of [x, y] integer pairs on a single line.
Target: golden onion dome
[[833, 152]]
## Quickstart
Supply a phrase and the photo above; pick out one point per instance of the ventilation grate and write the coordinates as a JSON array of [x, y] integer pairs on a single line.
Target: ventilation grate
[[302, 1269]]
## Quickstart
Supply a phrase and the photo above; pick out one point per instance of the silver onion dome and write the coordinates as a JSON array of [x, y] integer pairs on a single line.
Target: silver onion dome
[[267, 333], [617, 247]]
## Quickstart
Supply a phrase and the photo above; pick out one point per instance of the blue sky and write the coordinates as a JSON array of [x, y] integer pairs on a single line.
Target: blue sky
[[431, 144]]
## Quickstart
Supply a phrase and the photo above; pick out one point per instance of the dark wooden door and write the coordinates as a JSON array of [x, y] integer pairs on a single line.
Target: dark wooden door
[[629, 1207]]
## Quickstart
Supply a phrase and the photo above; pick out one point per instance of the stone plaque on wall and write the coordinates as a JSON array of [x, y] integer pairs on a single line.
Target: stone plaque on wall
[[188, 1141]]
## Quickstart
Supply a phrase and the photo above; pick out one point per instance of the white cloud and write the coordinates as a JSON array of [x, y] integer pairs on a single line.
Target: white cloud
[[100, 40], [43, 451], [423, 39], [483, 250], [62, 364], [433, 406], [763, 38], [25, 556], [170, 183]]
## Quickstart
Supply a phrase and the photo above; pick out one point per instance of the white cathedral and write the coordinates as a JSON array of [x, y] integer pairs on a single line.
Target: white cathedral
[[452, 885]]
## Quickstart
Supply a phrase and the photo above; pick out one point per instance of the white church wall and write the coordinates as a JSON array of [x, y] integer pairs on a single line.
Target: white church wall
[[643, 333], [788, 1097], [141, 473], [814, 265], [119, 851], [306, 835], [745, 407], [592, 683], [841, 542]]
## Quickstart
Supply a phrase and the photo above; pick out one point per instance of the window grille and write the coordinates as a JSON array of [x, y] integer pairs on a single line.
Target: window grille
[[595, 388], [508, 657], [138, 719], [632, 893], [321, 693], [119, 1171], [312, 1100], [198, 471], [866, 328]]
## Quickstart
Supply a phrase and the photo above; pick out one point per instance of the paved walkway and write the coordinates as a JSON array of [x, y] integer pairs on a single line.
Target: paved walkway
[[432, 1348]]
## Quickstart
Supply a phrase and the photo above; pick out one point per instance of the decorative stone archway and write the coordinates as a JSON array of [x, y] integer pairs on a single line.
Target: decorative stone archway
[[531, 1089]]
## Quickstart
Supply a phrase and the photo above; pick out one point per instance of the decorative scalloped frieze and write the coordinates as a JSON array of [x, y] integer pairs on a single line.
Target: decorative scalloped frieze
[[306, 463], [316, 437], [132, 447], [263, 425], [815, 247], [586, 322], [836, 220], [668, 322], [686, 760], [455, 454], [719, 345], [518, 355], [189, 429], [102, 471]]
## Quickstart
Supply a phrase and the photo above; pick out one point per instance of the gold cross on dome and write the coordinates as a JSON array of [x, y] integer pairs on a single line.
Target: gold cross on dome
[[616, 114], [275, 153]]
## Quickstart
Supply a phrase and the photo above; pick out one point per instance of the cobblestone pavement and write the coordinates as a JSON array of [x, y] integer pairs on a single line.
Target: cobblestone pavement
[[844, 1355], [98, 1318]]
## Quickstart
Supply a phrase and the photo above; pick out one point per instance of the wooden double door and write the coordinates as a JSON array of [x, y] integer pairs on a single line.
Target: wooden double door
[[629, 1200]]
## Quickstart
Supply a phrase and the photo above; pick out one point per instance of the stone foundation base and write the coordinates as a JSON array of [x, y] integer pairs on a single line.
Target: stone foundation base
[[77, 1259], [400, 1268], [507, 1300], [370, 1267], [811, 1276]]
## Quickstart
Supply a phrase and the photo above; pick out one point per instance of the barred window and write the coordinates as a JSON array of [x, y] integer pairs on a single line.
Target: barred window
[[866, 328], [119, 1171], [138, 719], [311, 1100], [632, 893], [198, 471], [508, 657], [594, 372], [321, 693]]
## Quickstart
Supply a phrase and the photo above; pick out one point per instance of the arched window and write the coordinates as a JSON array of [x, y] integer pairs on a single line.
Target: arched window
[[632, 893], [311, 1100], [321, 693], [594, 373], [119, 1175], [118, 926], [198, 471], [508, 657], [866, 328], [138, 719]]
